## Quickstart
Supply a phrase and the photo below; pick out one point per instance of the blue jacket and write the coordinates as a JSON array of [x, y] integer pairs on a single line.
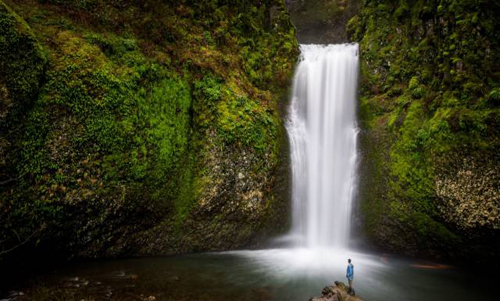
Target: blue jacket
[[350, 272]]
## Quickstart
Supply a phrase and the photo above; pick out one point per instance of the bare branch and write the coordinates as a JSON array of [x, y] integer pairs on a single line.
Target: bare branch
[[22, 243]]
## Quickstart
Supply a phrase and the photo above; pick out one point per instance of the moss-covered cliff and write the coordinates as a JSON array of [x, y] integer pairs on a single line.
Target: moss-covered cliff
[[431, 125], [141, 127]]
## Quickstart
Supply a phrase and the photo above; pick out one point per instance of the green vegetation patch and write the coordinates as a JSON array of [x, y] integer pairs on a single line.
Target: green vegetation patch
[[126, 108], [429, 80]]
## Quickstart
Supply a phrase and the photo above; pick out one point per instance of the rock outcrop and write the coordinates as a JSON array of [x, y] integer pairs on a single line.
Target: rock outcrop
[[430, 118], [142, 127], [322, 21], [336, 292]]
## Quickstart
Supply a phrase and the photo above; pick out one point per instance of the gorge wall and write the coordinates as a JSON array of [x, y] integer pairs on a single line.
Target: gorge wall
[[153, 127], [322, 21], [142, 127], [429, 107]]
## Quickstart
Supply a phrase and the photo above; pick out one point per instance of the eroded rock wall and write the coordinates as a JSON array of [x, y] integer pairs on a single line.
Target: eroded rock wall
[[322, 21], [430, 116], [146, 127]]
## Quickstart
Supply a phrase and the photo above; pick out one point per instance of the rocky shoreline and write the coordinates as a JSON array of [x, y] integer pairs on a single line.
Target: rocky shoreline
[[336, 292]]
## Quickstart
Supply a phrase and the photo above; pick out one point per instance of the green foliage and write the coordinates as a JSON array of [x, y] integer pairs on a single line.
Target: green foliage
[[96, 131], [418, 92], [20, 71], [135, 103], [494, 94], [114, 46], [242, 119], [22, 66], [426, 74]]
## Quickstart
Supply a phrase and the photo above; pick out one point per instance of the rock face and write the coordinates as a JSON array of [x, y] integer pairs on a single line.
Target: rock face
[[430, 118], [336, 292], [21, 69], [322, 21], [142, 127], [469, 193]]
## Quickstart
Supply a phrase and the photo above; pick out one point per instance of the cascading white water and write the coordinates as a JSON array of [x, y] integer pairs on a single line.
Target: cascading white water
[[322, 129]]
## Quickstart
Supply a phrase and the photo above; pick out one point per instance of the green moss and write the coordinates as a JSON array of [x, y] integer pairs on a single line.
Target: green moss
[[21, 70], [22, 67], [428, 94], [136, 104]]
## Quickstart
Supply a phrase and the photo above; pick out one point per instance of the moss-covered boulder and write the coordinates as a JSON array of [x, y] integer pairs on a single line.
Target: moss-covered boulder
[[156, 128], [430, 116]]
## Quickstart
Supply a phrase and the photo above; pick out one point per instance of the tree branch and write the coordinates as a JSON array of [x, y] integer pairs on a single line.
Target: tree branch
[[22, 243], [11, 180]]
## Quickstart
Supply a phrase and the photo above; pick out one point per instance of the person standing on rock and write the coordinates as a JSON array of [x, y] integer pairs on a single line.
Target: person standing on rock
[[350, 276]]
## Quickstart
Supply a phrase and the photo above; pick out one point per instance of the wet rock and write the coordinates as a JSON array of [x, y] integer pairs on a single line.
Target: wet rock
[[335, 292], [322, 21], [468, 192]]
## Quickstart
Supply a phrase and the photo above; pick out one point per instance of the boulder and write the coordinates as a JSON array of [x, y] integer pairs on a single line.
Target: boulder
[[336, 292]]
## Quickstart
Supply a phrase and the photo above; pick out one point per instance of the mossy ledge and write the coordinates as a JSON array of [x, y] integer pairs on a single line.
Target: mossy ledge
[[141, 127], [430, 117]]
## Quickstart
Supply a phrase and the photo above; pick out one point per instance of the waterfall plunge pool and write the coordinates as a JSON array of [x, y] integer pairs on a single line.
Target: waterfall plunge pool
[[273, 274], [322, 130]]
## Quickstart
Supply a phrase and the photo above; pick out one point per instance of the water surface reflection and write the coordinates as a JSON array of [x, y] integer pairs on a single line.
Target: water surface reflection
[[276, 274]]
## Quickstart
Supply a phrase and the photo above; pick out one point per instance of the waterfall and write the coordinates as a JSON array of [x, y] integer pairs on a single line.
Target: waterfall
[[322, 129]]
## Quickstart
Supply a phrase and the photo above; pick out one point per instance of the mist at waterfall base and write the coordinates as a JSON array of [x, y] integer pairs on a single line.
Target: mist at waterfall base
[[322, 130]]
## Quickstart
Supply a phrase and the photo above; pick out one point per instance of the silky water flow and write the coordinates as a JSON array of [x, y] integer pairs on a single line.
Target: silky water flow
[[322, 129]]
